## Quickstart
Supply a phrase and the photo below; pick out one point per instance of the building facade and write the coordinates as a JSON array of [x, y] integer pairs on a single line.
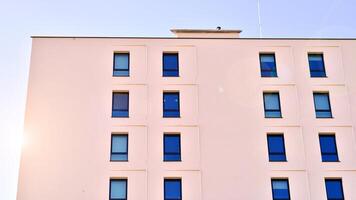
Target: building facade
[[205, 115]]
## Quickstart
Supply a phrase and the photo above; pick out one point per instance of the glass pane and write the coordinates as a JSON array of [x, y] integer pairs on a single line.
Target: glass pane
[[280, 189], [273, 114], [267, 58], [171, 73], [268, 64], [119, 144], [317, 74], [172, 189], [276, 144], [320, 114], [268, 73], [171, 144], [121, 73], [321, 101], [316, 65], [277, 157], [334, 189], [121, 101], [120, 113], [171, 101], [327, 144], [281, 185], [119, 157], [121, 61], [172, 157], [330, 158], [170, 61], [315, 57], [271, 101], [118, 189]]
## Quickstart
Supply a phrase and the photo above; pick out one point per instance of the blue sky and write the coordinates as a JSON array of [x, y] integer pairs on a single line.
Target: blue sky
[[19, 19]]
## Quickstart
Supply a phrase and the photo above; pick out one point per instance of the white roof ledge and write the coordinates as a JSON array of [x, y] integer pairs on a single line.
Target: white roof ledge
[[206, 33]]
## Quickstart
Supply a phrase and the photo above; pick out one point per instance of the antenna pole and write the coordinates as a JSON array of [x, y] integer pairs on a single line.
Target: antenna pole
[[259, 17]]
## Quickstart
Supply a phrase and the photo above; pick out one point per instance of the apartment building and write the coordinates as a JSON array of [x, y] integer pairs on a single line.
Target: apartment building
[[204, 115]]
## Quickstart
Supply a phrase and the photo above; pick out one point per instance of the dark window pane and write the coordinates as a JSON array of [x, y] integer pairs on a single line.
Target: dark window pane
[[172, 189], [272, 105], [334, 189], [328, 148], [119, 148], [276, 148], [118, 189], [172, 147], [322, 105], [120, 104], [280, 189], [171, 104], [316, 65], [268, 65], [121, 64], [170, 64]]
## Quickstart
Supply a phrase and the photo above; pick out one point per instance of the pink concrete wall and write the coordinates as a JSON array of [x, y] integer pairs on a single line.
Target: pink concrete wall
[[223, 130]]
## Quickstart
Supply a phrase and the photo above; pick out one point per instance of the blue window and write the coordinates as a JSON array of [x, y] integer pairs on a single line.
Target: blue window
[[280, 189], [119, 147], [121, 64], [316, 65], [322, 105], [328, 148], [172, 189], [118, 189], [272, 105], [171, 147], [120, 104], [276, 148], [170, 65], [171, 104], [334, 190], [268, 65]]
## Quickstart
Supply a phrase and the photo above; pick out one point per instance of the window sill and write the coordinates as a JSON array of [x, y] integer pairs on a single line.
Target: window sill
[[278, 161], [172, 117], [119, 160], [172, 160], [324, 117]]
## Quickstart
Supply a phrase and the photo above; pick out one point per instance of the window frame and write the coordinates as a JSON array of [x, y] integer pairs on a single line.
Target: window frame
[[171, 110], [275, 64], [128, 104], [180, 146], [116, 153], [118, 70], [280, 179], [323, 60], [322, 111], [342, 188], [126, 186], [284, 147], [272, 110], [171, 180], [335, 146], [163, 66]]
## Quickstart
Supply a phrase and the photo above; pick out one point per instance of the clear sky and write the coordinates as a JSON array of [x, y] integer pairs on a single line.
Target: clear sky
[[19, 19]]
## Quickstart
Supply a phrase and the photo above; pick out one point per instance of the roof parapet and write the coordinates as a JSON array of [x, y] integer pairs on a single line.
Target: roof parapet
[[206, 33]]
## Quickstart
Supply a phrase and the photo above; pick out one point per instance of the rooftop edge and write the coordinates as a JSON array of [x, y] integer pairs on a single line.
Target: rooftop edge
[[158, 37], [205, 31]]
